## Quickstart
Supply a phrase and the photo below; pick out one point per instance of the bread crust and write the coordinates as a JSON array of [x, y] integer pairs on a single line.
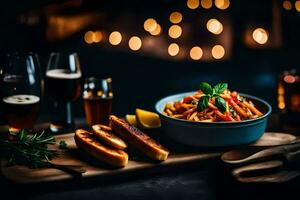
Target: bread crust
[[111, 156], [104, 133], [138, 139]]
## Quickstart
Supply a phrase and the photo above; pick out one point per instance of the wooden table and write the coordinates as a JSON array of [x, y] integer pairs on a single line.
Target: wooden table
[[205, 181]]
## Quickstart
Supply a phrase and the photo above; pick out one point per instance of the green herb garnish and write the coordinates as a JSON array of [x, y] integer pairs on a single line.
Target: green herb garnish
[[232, 111], [206, 88], [28, 150], [202, 103], [63, 145], [220, 103], [241, 99], [212, 92]]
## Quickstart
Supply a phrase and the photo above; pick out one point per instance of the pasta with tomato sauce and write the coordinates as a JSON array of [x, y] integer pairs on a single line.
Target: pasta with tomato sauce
[[235, 107]]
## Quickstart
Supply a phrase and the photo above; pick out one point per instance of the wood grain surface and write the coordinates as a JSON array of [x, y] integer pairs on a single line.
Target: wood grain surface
[[73, 156]]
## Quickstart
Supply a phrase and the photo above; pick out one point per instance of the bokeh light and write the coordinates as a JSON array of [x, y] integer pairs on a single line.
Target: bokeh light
[[196, 53], [135, 43], [115, 38], [287, 5], [150, 24], [222, 4], [173, 49], [97, 36], [88, 37], [206, 4], [297, 6], [157, 30], [289, 78], [175, 31], [214, 26], [218, 51], [260, 35], [192, 4], [175, 17]]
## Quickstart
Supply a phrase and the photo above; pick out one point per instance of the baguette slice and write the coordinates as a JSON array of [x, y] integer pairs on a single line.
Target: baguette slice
[[104, 133], [113, 157], [138, 139]]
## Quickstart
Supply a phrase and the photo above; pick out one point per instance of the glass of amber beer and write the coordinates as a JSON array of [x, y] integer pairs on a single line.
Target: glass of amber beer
[[21, 90], [62, 83], [97, 100]]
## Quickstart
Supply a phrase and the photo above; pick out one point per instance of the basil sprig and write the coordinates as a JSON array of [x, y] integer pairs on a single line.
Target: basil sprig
[[212, 92], [202, 103]]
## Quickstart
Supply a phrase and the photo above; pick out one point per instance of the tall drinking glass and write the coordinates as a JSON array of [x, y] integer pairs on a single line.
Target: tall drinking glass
[[62, 83], [97, 100], [21, 90]]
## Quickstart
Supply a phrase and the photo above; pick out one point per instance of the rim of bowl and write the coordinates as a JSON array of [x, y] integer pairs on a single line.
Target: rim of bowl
[[269, 110]]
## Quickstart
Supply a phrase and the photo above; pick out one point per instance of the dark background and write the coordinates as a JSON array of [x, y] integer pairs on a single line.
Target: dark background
[[141, 78]]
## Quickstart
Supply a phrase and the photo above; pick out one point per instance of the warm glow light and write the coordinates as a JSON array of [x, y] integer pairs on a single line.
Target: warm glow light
[[175, 31], [135, 43], [157, 30], [88, 37], [280, 90], [260, 35], [206, 4], [196, 53], [150, 25], [218, 51], [289, 78], [173, 49], [287, 5], [214, 26], [115, 38], [280, 98], [281, 105], [175, 17], [222, 4], [97, 36], [61, 27], [297, 6], [192, 4]]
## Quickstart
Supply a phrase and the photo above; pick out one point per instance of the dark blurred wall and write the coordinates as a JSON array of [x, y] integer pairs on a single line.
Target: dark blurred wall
[[139, 80]]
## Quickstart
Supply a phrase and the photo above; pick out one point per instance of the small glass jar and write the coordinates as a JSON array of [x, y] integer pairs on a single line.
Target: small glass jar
[[97, 100]]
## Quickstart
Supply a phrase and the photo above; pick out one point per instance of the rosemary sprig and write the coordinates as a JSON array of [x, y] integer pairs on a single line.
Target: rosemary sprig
[[29, 150]]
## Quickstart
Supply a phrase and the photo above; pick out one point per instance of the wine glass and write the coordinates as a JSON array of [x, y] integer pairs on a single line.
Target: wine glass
[[97, 100], [62, 83], [21, 90]]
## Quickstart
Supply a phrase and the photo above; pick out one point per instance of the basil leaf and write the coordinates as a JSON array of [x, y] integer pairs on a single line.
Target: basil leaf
[[220, 87], [202, 103], [206, 88], [221, 104]]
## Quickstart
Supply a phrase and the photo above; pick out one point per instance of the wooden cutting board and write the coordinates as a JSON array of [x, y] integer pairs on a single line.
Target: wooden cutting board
[[73, 156]]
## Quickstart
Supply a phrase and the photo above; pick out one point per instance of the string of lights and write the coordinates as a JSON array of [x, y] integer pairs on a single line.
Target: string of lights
[[175, 37]]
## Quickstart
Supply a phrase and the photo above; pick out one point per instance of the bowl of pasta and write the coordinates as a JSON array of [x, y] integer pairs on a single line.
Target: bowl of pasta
[[213, 117]]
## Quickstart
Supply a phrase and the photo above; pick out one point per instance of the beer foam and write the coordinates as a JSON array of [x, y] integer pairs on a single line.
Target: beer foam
[[21, 99], [62, 74]]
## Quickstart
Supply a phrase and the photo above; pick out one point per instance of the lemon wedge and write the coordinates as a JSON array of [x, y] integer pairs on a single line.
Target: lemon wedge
[[146, 119], [131, 119]]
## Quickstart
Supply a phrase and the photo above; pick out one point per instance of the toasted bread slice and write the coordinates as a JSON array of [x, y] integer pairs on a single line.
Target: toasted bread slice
[[111, 156], [138, 139], [104, 133]]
